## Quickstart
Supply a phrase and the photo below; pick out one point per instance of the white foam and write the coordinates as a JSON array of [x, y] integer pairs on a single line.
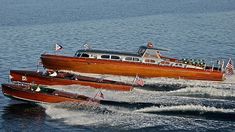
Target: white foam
[[69, 116], [88, 118], [209, 91], [140, 95], [128, 118], [189, 107]]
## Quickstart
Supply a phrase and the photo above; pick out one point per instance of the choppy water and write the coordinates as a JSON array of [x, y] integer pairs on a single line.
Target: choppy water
[[190, 28]]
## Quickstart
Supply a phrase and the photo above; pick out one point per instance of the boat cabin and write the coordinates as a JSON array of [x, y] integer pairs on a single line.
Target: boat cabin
[[146, 54]]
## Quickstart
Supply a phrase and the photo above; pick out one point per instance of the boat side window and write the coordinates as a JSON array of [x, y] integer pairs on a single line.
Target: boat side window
[[149, 61], [136, 59], [105, 56], [178, 65], [132, 59], [85, 55], [78, 55], [128, 58], [141, 51], [115, 57]]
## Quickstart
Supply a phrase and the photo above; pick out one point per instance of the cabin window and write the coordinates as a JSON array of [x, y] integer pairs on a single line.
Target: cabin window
[[105, 56], [93, 56], [85, 55], [141, 51], [115, 57], [128, 58], [136, 59], [149, 61], [78, 54], [132, 59]]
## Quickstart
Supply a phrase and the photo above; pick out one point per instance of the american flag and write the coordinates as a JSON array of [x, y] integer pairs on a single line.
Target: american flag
[[229, 67], [101, 95], [58, 47], [139, 81]]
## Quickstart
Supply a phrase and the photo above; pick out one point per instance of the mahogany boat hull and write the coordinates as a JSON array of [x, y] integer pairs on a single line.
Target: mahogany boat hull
[[39, 78], [23, 92], [97, 66]]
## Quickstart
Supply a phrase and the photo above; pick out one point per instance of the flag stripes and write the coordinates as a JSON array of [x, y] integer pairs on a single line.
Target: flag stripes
[[229, 67]]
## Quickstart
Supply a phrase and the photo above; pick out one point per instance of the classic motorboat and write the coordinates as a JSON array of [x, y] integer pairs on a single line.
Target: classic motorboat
[[64, 78], [146, 63], [39, 94]]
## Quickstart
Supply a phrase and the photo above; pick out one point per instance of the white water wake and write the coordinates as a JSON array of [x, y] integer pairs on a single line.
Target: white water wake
[[172, 101], [115, 118], [208, 92], [189, 107], [141, 95]]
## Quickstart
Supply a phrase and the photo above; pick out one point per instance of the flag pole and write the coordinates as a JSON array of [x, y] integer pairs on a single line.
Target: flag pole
[[222, 66], [96, 94], [134, 80]]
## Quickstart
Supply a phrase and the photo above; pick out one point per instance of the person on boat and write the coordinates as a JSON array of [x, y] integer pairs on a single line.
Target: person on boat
[[74, 77], [158, 54], [38, 89], [51, 73], [150, 45], [62, 74]]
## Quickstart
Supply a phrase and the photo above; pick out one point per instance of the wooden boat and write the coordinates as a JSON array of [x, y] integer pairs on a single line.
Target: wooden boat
[[62, 78], [147, 62], [41, 94]]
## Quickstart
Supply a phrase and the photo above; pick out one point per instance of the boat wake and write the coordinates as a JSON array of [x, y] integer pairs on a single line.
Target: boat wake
[[156, 97], [116, 118], [193, 110], [209, 92], [162, 87], [190, 102], [145, 109]]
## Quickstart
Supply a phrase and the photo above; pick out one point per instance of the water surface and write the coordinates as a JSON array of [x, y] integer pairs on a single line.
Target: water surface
[[190, 28]]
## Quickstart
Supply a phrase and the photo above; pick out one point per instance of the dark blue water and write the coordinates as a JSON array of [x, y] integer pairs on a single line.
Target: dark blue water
[[190, 28]]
